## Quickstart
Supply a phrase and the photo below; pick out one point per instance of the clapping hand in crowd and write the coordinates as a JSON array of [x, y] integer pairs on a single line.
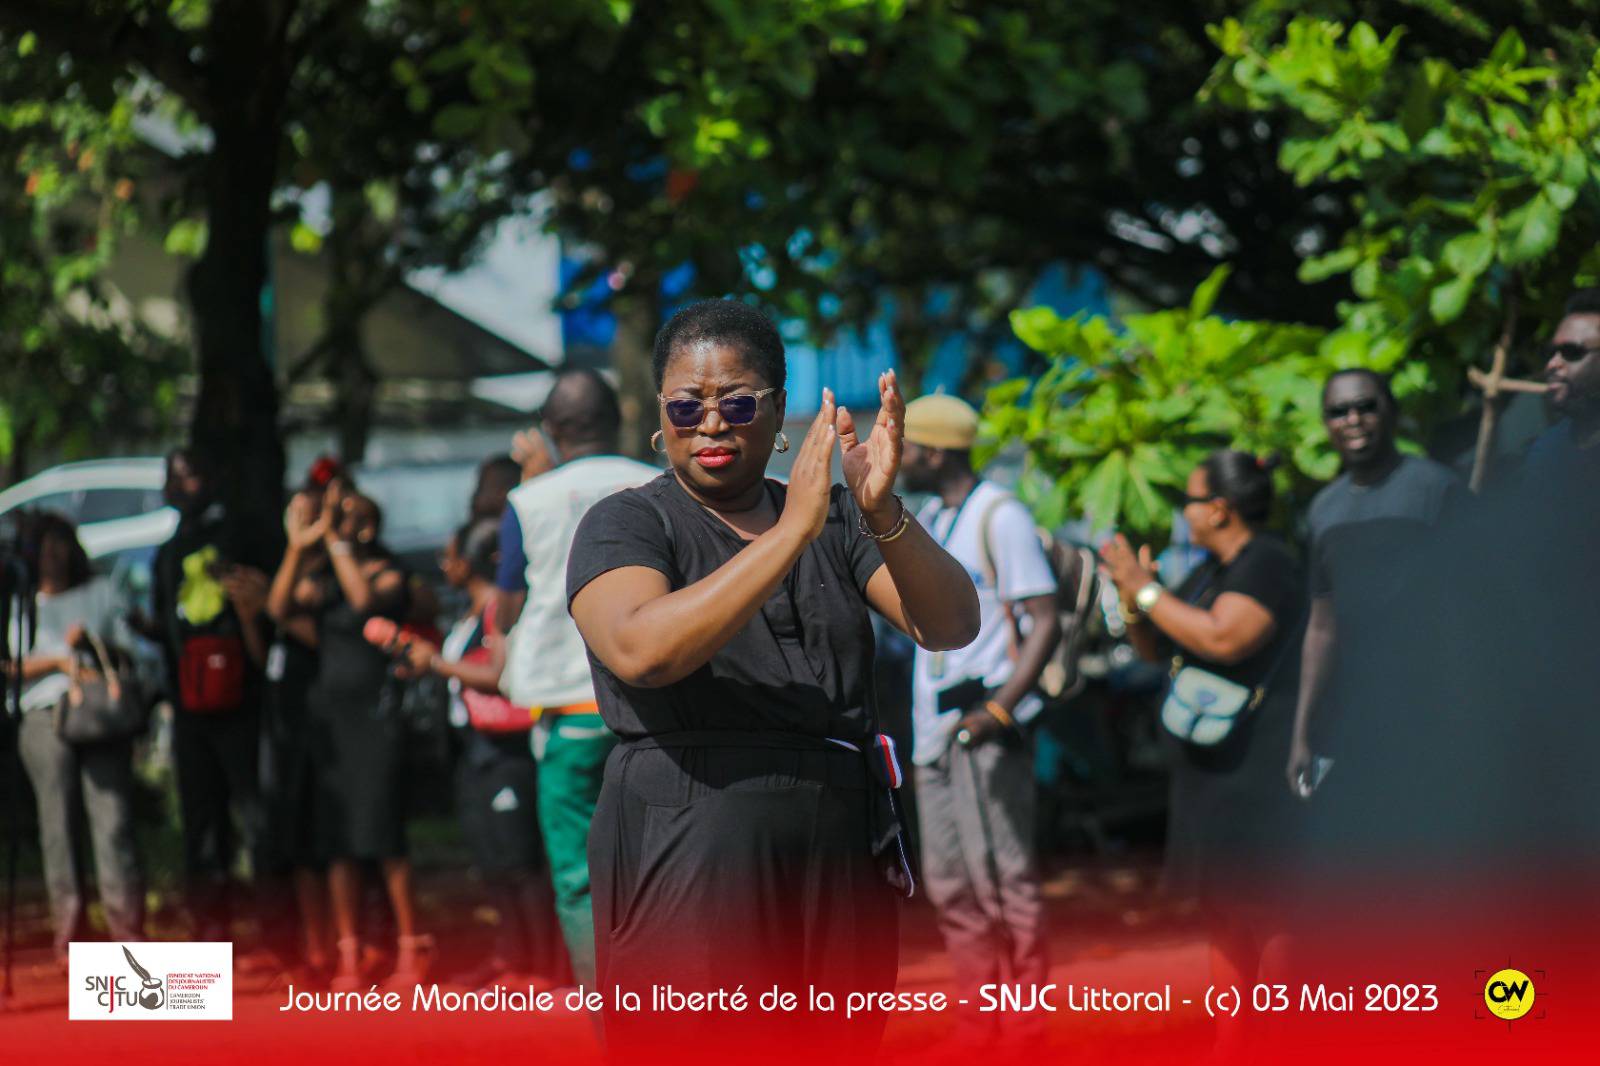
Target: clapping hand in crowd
[[871, 465], [811, 476], [308, 520], [246, 588], [1129, 570]]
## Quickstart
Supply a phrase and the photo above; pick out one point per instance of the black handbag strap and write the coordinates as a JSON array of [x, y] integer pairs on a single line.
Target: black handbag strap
[[1260, 689]]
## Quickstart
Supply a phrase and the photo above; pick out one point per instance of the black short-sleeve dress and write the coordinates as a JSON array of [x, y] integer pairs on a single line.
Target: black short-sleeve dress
[[357, 740], [736, 841], [1232, 816]]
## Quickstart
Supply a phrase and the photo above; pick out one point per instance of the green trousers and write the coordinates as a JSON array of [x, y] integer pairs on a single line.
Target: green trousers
[[571, 750]]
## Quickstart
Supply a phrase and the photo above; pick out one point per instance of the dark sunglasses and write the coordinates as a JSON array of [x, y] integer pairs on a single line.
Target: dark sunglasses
[[1188, 499], [1568, 353], [1335, 411], [737, 409]]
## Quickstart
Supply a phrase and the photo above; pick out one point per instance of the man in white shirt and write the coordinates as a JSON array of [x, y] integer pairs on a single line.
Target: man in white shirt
[[969, 708], [546, 665]]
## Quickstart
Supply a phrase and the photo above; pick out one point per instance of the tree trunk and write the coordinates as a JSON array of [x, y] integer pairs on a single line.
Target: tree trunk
[[638, 311], [235, 421], [17, 461], [344, 306], [355, 397]]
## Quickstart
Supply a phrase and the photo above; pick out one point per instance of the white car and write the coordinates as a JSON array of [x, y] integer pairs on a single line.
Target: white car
[[121, 518], [115, 503]]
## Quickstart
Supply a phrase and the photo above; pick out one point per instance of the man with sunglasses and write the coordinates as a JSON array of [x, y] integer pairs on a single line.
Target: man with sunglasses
[[1368, 528], [1570, 449], [574, 460]]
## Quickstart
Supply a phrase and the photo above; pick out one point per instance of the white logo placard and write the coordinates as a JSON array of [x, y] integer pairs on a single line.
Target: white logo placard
[[149, 981]]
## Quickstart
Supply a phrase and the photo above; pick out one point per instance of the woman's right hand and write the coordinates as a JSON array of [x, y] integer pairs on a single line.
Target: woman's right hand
[[305, 522], [1129, 570], [811, 477]]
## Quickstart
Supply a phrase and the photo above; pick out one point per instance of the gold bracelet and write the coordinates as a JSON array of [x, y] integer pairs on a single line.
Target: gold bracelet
[[1000, 714], [895, 532]]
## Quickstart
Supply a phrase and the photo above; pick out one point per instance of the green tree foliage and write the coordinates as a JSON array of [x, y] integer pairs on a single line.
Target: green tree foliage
[[71, 359], [1127, 410], [1473, 197], [863, 149], [229, 64], [848, 148], [1476, 188], [410, 176], [279, 96]]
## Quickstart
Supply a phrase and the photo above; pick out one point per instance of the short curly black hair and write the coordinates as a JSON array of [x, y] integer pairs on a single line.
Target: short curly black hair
[[731, 322]]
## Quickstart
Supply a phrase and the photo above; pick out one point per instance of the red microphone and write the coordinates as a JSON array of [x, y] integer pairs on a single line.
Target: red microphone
[[385, 634]]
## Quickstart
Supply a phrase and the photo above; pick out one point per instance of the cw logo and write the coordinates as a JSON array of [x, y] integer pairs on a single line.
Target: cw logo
[[1509, 994]]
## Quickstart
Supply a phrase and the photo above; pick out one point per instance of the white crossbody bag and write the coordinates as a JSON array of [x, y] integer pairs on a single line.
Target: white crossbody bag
[[1204, 709]]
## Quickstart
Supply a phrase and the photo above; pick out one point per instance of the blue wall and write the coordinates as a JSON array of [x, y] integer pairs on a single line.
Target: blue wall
[[852, 360]]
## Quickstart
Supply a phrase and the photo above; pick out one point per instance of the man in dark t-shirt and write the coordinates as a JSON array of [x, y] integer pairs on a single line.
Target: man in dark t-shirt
[[1368, 528]]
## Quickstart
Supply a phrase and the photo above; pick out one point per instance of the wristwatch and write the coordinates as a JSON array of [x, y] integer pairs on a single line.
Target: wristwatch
[[1146, 597]]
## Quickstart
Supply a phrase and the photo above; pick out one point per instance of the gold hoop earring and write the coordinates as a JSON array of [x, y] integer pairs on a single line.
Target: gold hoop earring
[[656, 444], [783, 442]]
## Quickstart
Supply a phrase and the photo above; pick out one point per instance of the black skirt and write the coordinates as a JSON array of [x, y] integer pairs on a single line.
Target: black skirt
[[359, 781], [1233, 825], [727, 867]]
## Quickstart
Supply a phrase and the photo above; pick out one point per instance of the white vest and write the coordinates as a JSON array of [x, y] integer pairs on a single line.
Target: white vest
[[546, 665]]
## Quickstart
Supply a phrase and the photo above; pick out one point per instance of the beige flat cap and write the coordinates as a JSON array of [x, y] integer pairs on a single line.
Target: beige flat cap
[[941, 421]]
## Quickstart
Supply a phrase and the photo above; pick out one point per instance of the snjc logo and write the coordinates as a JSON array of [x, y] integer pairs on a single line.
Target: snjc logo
[[149, 981], [151, 995], [1508, 994], [116, 990]]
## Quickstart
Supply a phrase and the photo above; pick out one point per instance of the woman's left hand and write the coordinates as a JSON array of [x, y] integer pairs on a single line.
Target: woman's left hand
[[246, 588], [870, 466], [419, 656], [1128, 570]]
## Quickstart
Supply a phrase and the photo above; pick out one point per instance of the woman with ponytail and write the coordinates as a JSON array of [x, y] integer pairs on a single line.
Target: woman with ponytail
[[1232, 626]]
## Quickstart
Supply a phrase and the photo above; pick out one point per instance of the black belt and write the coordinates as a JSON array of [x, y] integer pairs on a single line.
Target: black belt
[[740, 738], [886, 832]]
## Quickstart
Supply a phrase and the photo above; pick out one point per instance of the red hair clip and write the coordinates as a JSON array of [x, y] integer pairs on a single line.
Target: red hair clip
[[323, 471]]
